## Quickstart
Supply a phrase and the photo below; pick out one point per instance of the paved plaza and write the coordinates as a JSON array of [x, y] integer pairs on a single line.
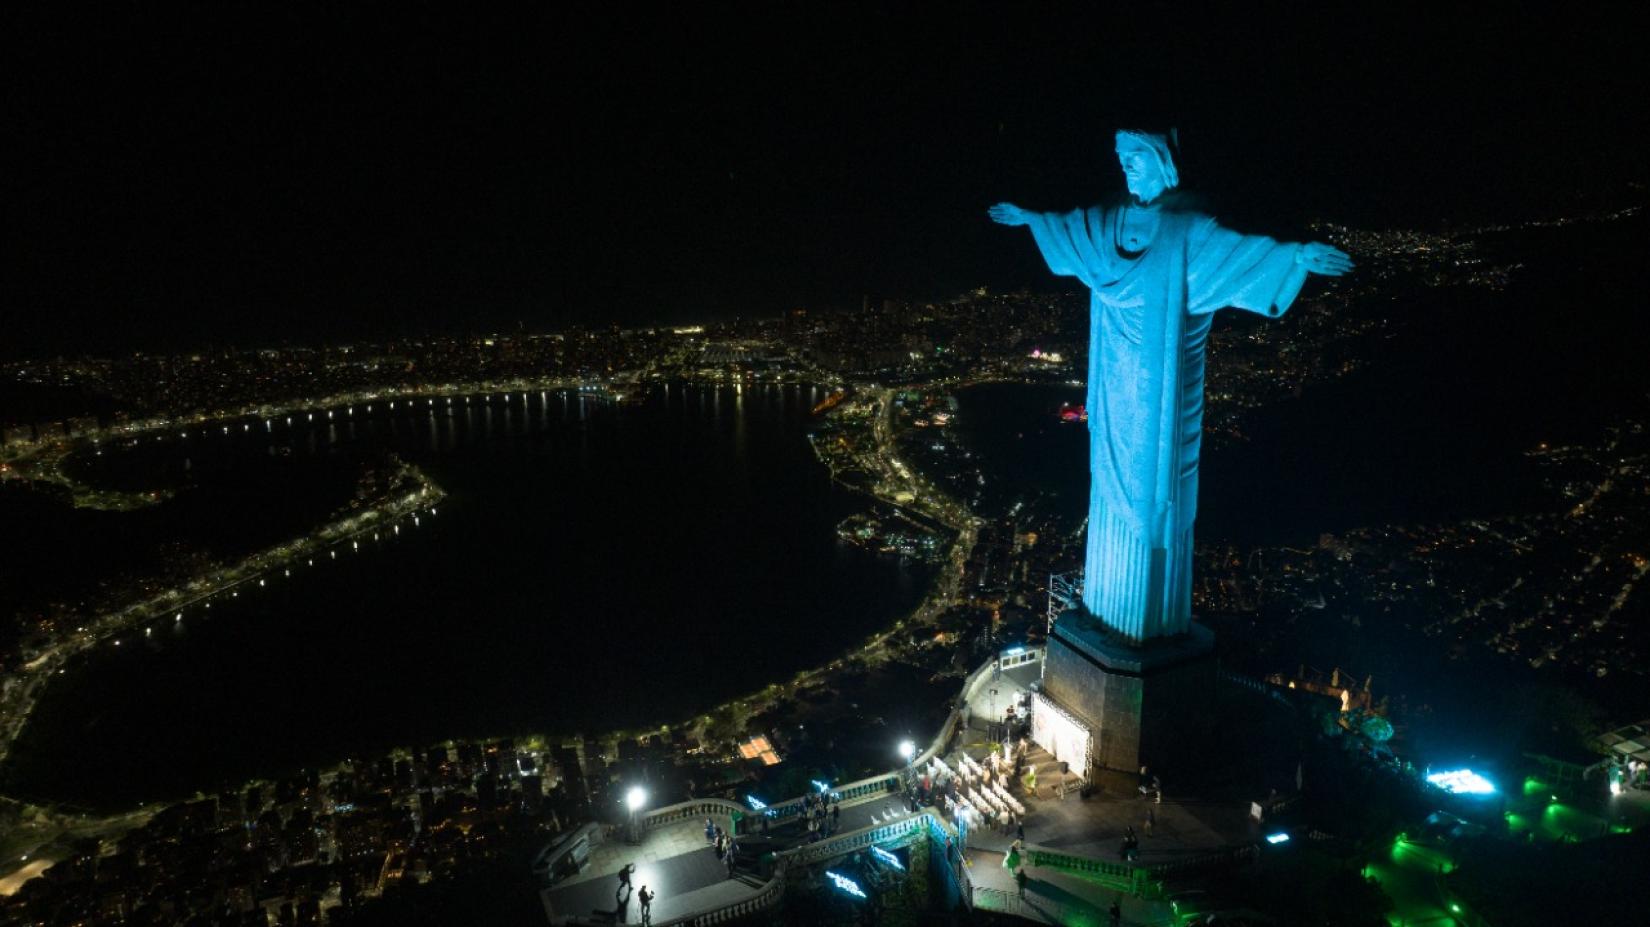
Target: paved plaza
[[1186, 824], [675, 863], [678, 865], [1057, 898]]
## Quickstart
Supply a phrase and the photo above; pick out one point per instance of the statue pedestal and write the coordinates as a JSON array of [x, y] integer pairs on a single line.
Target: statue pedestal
[[1146, 704]]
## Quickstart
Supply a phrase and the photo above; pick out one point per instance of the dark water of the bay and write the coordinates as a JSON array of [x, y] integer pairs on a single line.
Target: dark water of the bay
[[595, 566]]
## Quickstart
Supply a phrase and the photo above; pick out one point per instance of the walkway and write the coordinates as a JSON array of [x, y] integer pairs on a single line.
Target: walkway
[[673, 861], [1055, 898], [1094, 826], [1010, 687]]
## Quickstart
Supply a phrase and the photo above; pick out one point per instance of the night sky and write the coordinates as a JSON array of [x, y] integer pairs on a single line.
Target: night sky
[[223, 177]]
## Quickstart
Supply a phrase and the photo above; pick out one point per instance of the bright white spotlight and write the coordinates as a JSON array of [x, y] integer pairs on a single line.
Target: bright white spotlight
[[907, 750], [635, 798], [1462, 782]]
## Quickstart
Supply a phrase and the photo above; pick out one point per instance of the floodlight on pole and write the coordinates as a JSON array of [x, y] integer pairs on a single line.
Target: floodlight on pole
[[634, 799]]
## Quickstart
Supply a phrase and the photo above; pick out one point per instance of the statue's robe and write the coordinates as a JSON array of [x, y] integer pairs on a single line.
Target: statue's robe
[[1149, 318]]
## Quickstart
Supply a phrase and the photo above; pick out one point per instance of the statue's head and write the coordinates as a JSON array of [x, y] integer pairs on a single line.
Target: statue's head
[[1147, 160]]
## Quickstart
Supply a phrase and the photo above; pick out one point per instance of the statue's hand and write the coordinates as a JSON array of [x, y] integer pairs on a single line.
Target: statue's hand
[[1319, 258], [1008, 214]]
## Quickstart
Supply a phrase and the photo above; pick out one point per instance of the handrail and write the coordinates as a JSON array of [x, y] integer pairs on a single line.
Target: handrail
[[889, 781], [771, 891], [767, 897], [682, 811], [1120, 876], [1043, 910], [1139, 878], [1225, 855], [1256, 685], [842, 844]]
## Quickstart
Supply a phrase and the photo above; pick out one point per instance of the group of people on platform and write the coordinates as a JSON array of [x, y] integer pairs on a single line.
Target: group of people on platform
[[1131, 845], [1633, 774], [821, 813], [977, 793], [725, 843], [622, 895], [1150, 785]]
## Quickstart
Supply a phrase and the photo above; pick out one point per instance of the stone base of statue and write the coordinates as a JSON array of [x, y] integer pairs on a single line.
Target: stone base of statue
[[1145, 704]]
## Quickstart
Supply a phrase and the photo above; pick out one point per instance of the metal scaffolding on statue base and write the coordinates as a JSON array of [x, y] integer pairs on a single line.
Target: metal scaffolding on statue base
[[1065, 591]]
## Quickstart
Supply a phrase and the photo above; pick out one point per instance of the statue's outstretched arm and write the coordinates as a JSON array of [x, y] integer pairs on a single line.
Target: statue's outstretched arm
[[1008, 214], [1314, 257], [1319, 258]]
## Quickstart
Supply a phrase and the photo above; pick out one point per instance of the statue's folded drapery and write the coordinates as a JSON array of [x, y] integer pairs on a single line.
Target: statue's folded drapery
[[1149, 318]]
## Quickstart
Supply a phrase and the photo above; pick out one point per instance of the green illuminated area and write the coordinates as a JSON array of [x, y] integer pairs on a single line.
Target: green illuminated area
[[1546, 842], [1539, 816], [1409, 874]]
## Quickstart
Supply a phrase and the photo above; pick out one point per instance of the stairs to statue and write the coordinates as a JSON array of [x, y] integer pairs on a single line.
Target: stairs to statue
[[1048, 770]]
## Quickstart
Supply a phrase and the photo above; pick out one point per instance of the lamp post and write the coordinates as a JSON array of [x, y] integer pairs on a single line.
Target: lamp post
[[908, 752], [634, 800]]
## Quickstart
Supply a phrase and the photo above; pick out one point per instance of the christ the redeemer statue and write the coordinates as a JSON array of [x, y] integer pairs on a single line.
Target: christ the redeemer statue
[[1157, 275]]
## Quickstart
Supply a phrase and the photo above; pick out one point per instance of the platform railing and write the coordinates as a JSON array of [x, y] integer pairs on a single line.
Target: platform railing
[[766, 897], [892, 833], [883, 783], [691, 810], [1032, 908], [1118, 876]]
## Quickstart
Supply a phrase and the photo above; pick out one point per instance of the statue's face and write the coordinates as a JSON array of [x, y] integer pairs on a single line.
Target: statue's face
[[1141, 170]]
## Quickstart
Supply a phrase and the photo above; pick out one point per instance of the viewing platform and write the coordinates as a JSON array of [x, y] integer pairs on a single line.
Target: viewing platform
[[1072, 852]]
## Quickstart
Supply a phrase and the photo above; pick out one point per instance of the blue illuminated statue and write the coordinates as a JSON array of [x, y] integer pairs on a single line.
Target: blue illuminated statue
[[1157, 273]]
